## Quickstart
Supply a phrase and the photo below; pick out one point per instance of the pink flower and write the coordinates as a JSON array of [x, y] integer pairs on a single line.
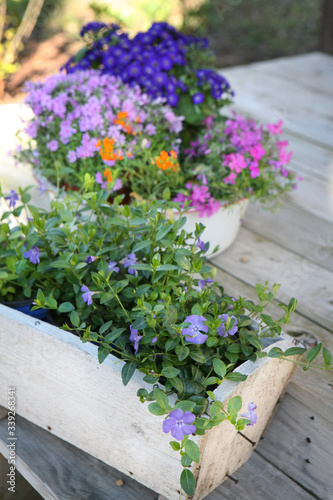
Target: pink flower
[[257, 152], [275, 128]]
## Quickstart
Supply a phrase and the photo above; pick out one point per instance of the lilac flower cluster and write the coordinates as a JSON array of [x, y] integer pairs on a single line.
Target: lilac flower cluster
[[156, 60], [72, 112], [199, 198]]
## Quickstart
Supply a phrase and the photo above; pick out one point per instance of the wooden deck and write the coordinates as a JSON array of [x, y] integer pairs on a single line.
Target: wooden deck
[[293, 247]]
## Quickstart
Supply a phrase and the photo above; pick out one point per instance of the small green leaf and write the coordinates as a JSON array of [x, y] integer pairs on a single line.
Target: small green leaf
[[187, 482], [127, 371], [141, 245], [276, 352], [186, 461], [236, 377], [219, 367], [75, 319], [185, 405], [65, 307], [183, 262], [103, 352], [174, 445], [182, 352], [313, 353], [192, 451], [155, 409], [170, 372], [327, 356], [294, 351], [162, 399], [235, 404], [166, 267]]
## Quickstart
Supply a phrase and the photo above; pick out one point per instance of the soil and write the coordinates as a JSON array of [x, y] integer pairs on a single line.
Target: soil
[[39, 60]]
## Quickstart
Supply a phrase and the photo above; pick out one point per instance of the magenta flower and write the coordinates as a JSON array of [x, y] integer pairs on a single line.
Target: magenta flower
[[87, 295], [251, 414], [179, 423], [112, 266], [12, 198], [222, 331], [275, 128], [134, 337], [32, 254], [193, 333]]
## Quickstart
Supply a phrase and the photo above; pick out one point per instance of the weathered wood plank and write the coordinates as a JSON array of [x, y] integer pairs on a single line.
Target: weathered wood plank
[[23, 490], [312, 71], [260, 480], [298, 445], [253, 259], [59, 471], [310, 158], [268, 99], [294, 229], [311, 387]]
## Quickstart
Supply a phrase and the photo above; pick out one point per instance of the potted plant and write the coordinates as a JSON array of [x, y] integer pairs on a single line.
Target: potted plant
[[137, 285]]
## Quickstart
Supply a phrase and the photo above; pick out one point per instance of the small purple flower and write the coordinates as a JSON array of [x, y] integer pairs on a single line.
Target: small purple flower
[[179, 423], [91, 259], [154, 340], [251, 414], [192, 333], [198, 98], [200, 244], [229, 308], [53, 145], [12, 198], [32, 255], [203, 283], [87, 295], [129, 261], [134, 337], [231, 330], [112, 266], [71, 156]]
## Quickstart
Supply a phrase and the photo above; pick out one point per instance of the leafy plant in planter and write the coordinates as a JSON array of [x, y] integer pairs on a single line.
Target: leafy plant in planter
[[139, 286]]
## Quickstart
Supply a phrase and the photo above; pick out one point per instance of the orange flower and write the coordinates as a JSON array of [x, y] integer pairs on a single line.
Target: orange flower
[[167, 161], [107, 173], [122, 114]]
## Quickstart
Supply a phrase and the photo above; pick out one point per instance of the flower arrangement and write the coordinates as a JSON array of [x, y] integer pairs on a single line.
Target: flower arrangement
[[91, 123], [137, 285], [235, 158], [162, 61]]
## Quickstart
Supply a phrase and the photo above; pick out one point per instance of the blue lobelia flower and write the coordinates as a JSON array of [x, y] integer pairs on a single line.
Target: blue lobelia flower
[[179, 423], [193, 333]]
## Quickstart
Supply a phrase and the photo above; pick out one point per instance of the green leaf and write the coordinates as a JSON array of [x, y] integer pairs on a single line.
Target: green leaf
[[166, 267], [141, 267], [219, 367], [142, 290], [139, 324], [110, 337], [187, 482], [174, 445], [128, 371], [182, 352], [155, 409], [170, 372], [141, 245], [65, 307], [201, 404], [192, 451], [313, 353], [75, 319], [327, 356], [276, 352], [105, 327], [185, 460], [61, 264], [235, 404], [162, 399], [177, 384], [198, 356], [163, 232], [294, 351], [253, 339], [103, 352], [185, 405], [80, 54], [183, 262], [51, 302], [236, 377]]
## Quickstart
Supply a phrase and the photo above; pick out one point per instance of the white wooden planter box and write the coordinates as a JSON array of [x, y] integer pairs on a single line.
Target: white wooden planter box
[[60, 386]]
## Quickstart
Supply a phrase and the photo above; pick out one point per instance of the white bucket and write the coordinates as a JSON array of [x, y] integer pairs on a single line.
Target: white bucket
[[221, 228]]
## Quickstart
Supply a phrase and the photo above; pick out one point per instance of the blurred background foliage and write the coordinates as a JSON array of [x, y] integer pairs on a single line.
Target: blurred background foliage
[[240, 31]]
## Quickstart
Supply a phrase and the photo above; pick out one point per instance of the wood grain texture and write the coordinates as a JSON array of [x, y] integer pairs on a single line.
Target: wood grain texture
[[39, 359], [23, 490], [59, 471], [265, 259]]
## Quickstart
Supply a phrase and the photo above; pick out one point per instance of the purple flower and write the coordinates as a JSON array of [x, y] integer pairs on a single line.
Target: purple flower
[[192, 333], [200, 244], [13, 198], [112, 266], [198, 98], [71, 156], [53, 145], [87, 295], [251, 414], [203, 283], [32, 254], [154, 340], [91, 259], [129, 261], [134, 337], [179, 423], [222, 331]]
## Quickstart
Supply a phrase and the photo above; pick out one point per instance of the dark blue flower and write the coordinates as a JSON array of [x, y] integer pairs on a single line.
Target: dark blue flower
[[198, 98]]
